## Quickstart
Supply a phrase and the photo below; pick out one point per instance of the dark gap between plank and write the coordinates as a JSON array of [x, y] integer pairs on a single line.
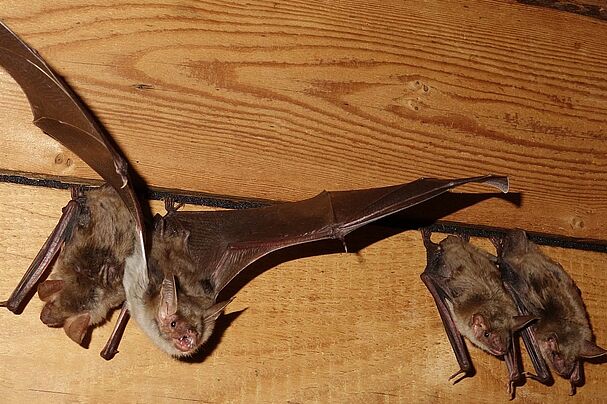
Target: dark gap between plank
[[439, 226]]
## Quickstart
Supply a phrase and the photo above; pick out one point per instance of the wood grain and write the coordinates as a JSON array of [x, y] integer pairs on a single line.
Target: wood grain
[[357, 328], [280, 100]]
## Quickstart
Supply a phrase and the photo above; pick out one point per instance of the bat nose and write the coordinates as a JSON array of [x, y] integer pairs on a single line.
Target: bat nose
[[498, 347]]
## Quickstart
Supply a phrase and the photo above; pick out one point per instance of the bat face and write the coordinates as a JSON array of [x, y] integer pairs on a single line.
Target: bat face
[[86, 280], [180, 322], [562, 363], [492, 336], [182, 334]]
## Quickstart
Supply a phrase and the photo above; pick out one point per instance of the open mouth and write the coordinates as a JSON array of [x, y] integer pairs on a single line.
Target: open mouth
[[184, 343]]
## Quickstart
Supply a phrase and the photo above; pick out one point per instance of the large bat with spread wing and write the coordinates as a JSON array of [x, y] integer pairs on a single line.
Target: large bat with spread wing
[[194, 255], [101, 230]]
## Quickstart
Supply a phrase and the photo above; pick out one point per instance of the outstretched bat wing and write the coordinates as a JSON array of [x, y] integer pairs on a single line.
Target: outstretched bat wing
[[60, 113], [225, 242]]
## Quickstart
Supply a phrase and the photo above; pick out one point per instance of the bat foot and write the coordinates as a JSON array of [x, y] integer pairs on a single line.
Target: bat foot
[[171, 206], [511, 389], [458, 376], [108, 354], [4, 303]]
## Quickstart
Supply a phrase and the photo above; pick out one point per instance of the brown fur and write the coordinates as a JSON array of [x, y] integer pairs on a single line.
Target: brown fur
[[169, 256], [474, 285], [91, 262], [549, 293]]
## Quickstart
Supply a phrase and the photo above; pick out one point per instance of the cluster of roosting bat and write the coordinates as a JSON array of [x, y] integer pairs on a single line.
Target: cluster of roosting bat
[[168, 272], [490, 299]]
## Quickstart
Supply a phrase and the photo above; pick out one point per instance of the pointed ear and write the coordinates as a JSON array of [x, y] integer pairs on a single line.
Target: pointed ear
[[212, 313], [591, 350], [521, 322], [168, 298], [48, 288], [76, 326]]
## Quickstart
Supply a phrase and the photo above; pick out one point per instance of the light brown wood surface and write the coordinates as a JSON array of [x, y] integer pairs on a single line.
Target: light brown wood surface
[[334, 328], [280, 100]]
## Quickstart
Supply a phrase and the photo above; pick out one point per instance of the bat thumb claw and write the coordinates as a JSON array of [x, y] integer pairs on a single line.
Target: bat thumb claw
[[456, 374]]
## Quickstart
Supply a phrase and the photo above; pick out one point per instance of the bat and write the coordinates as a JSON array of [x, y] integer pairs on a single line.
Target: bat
[[174, 300], [562, 336], [472, 302], [194, 255], [100, 231]]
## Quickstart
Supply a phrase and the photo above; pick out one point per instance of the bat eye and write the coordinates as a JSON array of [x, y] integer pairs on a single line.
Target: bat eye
[[486, 334], [173, 324]]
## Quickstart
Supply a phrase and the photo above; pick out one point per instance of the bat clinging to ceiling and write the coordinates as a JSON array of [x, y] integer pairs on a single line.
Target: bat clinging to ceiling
[[540, 286], [472, 302], [194, 255], [100, 231]]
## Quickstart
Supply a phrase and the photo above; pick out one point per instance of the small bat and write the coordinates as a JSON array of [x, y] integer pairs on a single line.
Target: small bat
[[540, 286], [101, 230], [194, 255], [472, 302]]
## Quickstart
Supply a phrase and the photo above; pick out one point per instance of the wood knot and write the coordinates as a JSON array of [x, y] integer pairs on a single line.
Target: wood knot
[[577, 223]]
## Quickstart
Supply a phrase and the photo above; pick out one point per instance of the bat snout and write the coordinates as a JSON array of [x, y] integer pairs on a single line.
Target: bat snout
[[497, 345], [186, 342]]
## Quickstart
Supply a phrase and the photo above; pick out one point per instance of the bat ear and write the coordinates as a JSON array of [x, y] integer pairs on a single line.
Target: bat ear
[[159, 224], [211, 314], [48, 288], [591, 350], [76, 326], [168, 298], [479, 321], [521, 322]]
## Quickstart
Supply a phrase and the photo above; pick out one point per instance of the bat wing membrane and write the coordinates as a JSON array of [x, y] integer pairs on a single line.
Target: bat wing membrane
[[249, 234], [59, 112]]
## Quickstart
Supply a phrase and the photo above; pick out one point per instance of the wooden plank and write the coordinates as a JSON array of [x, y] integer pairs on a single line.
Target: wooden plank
[[588, 8], [335, 328], [282, 100]]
